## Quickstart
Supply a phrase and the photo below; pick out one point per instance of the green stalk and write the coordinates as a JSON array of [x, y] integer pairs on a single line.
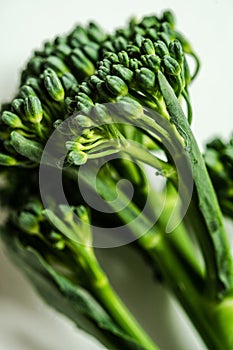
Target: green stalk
[[112, 303], [173, 254], [220, 276]]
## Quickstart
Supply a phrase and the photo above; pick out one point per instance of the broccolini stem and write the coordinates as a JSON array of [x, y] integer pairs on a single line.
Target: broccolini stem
[[111, 301], [220, 267]]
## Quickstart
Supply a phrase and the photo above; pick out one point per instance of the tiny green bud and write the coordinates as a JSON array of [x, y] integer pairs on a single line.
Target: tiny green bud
[[26, 91], [92, 51], [27, 148], [33, 109], [116, 85], [152, 34], [62, 50], [103, 93], [120, 43], [164, 37], [146, 78], [7, 160], [56, 64], [169, 17], [123, 72], [84, 87], [161, 48], [48, 48], [77, 158], [149, 21], [112, 57], [133, 51], [67, 212], [81, 65], [95, 33], [57, 240], [130, 108], [94, 80], [152, 62], [83, 213], [18, 106], [35, 206], [84, 101], [176, 51], [12, 120], [107, 46], [78, 36], [124, 58], [68, 81], [83, 121], [134, 64], [102, 114], [34, 66], [28, 223], [53, 85], [171, 66], [139, 39], [103, 72], [34, 84], [106, 63], [148, 47], [216, 144]]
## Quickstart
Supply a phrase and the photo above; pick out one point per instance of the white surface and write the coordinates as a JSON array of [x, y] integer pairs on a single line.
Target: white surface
[[25, 322]]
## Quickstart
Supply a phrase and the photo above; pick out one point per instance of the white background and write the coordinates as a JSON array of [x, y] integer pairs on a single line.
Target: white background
[[25, 322]]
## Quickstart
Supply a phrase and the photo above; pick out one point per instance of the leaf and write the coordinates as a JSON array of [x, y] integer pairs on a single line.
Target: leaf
[[213, 240], [70, 299]]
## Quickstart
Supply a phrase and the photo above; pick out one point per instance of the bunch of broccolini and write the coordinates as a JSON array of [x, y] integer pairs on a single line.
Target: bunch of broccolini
[[125, 93]]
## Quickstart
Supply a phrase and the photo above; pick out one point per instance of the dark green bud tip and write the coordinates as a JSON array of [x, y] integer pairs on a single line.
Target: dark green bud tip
[[149, 21], [34, 206], [152, 62], [77, 158], [147, 47], [112, 57], [67, 212], [53, 85], [84, 101], [123, 72], [25, 147], [83, 213], [217, 144], [68, 81], [171, 66], [169, 17], [7, 160], [26, 91], [12, 120], [95, 33], [83, 121], [18, 106], [28, 223], [120, 43], [130, 108], [123, 58], [92, 51], [103, 72], [82, 66], [33, 109], [176, 51], [161, 48], [102, 113], [116, 85], [56, 64], [146, 78]]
